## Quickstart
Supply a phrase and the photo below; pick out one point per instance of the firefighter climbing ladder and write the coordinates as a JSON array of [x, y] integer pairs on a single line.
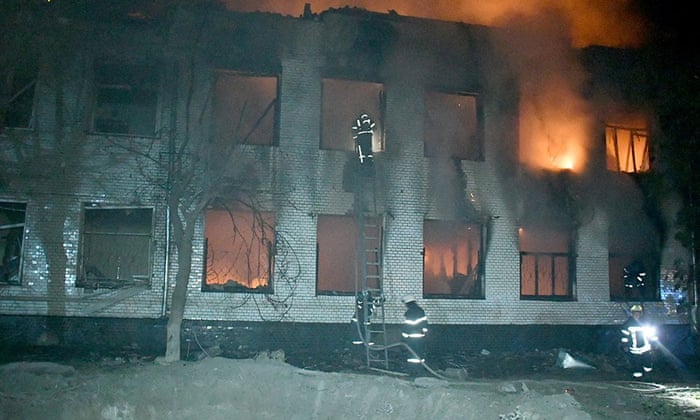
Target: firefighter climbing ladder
[[370, 244]]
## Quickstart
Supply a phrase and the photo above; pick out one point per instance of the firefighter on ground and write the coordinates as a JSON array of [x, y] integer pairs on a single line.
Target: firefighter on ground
[[415, 327], [637, 340], [361, 319], [362, 134]]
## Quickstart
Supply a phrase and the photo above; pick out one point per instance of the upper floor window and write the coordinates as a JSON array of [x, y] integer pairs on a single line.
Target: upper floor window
[[17, 97], [126, 99], [239, 250], [12, 217], [627, 148], [546, 264], [452, 126], [337, 255], [452, 265], [245, 108], [343, 101], [116, 247]]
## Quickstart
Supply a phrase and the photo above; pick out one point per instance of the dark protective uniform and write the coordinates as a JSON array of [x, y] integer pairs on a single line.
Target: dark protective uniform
[[362, 130], [361, 319], [414, 330]]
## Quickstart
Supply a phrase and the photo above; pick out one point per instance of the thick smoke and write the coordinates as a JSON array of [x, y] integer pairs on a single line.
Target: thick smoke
[[614, 23]]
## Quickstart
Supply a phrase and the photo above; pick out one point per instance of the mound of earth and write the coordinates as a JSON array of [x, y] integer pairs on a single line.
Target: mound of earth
[[266, 387]]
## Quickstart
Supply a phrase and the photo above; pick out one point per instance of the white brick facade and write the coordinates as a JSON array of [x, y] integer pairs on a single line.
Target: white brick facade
[[305, 181]]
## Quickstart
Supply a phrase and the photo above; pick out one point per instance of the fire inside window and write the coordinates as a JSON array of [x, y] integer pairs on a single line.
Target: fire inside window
[[245, 108], [546, 264], [239, 250], [116, 247], [11, 237], [17, 90], [452, 126], [452, 259], [342, 102], [126, 99], [336, 254], [627, 149]]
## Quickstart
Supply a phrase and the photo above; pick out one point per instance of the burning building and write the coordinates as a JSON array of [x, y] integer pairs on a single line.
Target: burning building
[[504, 180]]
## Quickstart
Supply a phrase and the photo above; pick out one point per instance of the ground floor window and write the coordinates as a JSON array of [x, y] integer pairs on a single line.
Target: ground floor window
[[633, 267], [12, 217], [116, 247], [239, 250], [546, 264], [452, 259], [337, 269]]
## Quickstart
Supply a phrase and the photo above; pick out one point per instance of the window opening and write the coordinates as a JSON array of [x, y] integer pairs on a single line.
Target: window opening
[[126, 99], [342, 102], [17, 88], [546, 264], [116, 247], [452, 259], [632, 267], [627, 149], [336, 254], [12, 216], [239, 250], [245, 108], [452, 126]]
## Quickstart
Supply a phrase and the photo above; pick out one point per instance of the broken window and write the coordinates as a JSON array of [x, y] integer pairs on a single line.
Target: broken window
[[12, 217], [239, 250], [116, 247], [245, 108], [343, 101], [546, 264], [627, 149], [17, 96], [336, 255], [452, 126], [632, 267], [452, 265], [126, 99]]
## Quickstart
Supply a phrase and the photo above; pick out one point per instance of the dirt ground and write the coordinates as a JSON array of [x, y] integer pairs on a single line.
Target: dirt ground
[[478, 386]]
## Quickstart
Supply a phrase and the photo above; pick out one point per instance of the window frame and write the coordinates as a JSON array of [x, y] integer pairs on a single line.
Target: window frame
[[25, 87], [612, 149], [349, 232], [110, 75], [472, 144], [340, 127], [95, 276], [539, 252], [264, 220], [13, 228], [217, 106], [444, 227]]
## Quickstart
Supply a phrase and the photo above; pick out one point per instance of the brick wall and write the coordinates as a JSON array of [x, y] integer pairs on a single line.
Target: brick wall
[[303, 182]]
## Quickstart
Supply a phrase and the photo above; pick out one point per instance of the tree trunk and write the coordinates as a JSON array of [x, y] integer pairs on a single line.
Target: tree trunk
[[183, 241]]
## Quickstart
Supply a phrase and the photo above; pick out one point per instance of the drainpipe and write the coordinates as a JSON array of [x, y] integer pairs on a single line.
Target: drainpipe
[[168, 184]]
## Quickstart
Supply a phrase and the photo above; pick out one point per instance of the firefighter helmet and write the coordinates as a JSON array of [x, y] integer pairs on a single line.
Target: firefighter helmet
[[408, 299], [636, 308]]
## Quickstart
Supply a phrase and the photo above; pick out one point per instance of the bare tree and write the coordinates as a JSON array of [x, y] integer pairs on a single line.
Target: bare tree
[[204, 168]]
